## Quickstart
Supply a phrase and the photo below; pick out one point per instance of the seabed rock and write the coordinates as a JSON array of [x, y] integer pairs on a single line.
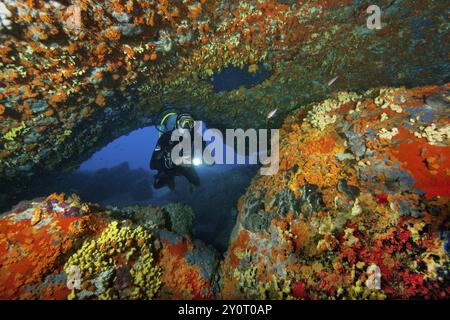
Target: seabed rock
[[61, 248], [380, 206]]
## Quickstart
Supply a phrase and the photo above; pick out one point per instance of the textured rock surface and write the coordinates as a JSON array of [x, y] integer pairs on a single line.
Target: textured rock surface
[[364, 177], [35, 238], [42, 240], [370, 187], [74, 75], [182, 218]]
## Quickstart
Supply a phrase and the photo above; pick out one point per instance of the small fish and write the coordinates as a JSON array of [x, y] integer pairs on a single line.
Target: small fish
[[332, 81], [272, 113]]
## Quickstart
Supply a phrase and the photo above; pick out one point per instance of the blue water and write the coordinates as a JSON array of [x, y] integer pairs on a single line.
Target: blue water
[[231, 78], [118, 175], [135, 148]]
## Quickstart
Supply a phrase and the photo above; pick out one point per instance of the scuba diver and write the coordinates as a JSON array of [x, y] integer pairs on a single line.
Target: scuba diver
[[161, 159]]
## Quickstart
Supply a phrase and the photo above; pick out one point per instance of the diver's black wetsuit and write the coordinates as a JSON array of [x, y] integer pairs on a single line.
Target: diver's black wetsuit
[[167, 170]]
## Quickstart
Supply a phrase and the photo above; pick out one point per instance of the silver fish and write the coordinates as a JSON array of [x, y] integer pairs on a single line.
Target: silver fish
[[332, 81], [272, 113]]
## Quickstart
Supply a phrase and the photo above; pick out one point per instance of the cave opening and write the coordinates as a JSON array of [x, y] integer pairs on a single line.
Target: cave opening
[[123, 166], [118, 176], [232, 77]]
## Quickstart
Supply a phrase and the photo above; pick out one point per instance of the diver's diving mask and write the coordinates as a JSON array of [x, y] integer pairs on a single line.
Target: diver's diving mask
[[185, 121]]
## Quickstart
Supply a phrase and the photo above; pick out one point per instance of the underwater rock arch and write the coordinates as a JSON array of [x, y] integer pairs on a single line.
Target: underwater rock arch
[[334, 221]]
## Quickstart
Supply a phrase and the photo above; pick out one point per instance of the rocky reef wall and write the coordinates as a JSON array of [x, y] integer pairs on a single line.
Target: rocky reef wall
[[61, 248], [76, 74], [359, 208]]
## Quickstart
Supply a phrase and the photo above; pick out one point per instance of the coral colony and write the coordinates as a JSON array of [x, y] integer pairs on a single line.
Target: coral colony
[[354, 202]]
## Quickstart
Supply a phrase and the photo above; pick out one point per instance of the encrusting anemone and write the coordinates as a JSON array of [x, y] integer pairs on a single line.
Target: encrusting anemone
[[120, 255]]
